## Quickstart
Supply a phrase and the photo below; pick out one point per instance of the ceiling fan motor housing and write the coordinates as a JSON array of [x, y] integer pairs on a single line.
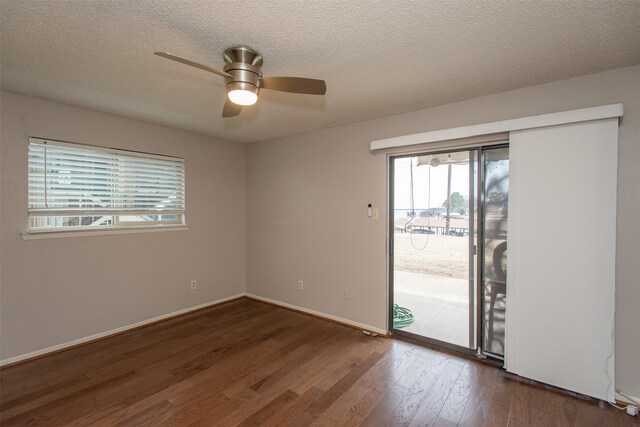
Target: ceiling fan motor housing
[[244, 65]]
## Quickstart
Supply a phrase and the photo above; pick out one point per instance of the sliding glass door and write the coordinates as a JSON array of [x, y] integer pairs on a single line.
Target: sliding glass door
[[448, 248]]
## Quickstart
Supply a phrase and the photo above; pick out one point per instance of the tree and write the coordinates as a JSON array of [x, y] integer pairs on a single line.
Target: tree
[[458, 203]]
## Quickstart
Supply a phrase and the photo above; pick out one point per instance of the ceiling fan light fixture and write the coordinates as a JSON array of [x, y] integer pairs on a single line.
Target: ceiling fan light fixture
[[242, 93], [242, 97]]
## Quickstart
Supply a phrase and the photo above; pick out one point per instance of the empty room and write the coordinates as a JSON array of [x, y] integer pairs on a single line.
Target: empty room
[[327, 213]]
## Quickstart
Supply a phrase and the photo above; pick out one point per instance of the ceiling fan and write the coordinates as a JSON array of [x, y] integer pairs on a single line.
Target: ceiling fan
[[244, 79]]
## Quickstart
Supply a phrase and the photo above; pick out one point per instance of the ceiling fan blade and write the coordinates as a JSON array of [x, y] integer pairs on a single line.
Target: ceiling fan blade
[[230, 109], [193, 64], [294, 85]]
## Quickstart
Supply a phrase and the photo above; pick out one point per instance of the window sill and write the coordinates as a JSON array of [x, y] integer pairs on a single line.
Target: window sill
[[36, 235]]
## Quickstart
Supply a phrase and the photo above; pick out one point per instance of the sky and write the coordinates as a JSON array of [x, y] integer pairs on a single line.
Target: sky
[[425, 195]]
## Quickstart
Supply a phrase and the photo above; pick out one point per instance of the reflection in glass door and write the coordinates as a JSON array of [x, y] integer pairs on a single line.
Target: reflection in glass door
[[495, 217], [433, 261]]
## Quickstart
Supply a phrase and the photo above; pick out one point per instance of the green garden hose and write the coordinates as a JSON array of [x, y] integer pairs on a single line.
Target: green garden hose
[[401, 316]]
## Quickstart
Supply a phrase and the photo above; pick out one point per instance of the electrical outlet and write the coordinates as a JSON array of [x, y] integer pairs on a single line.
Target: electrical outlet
[[376, 214], [300, 284], [194, 284]]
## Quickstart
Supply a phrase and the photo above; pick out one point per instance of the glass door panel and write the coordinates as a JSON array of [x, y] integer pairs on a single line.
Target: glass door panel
[[495, 217], [433, 275]]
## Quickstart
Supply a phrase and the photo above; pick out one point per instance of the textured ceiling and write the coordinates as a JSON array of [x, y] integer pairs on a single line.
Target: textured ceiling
[[378, 57]]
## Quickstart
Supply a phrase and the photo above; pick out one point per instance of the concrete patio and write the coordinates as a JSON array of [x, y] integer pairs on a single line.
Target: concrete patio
[[440, 305], [440, 308]]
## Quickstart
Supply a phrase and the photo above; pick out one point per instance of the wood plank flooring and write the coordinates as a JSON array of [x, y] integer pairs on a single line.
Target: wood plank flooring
[[251, 364]]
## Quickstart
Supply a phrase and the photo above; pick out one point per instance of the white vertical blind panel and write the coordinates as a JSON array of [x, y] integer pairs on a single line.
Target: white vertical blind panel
[[561, 257]]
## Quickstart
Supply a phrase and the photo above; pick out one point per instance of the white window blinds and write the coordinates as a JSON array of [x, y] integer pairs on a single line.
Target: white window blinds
[[72, 179]]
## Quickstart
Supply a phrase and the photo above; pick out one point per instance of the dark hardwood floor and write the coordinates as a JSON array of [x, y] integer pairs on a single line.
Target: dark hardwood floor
[[248, 363]]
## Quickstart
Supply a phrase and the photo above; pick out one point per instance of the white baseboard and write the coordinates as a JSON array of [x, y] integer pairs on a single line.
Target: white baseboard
[[94, 337], [627, 399], [319, 314]]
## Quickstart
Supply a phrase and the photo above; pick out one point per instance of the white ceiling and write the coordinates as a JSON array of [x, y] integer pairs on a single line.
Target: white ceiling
[[378, 57]]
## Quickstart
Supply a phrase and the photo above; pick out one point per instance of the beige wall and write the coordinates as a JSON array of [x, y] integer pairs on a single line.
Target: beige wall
[[307, 197], [58, 290]]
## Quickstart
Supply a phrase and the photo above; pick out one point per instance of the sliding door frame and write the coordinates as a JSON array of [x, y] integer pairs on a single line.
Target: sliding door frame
[[476, 246], [472, 245]]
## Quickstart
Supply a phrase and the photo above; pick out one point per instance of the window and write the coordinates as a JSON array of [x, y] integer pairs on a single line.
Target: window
[[80, 187]]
